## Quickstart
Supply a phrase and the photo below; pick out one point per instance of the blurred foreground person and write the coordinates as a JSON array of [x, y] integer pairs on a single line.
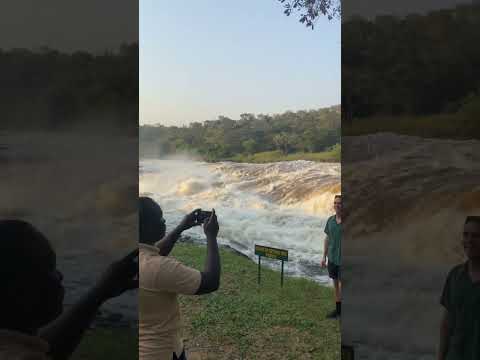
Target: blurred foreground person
[[460, 326], [162, 278], [32, 326]]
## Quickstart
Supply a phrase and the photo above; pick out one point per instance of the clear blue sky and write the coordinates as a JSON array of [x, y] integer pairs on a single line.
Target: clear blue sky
[[202, 59]]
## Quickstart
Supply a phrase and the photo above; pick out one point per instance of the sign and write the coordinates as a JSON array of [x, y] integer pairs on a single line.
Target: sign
[[271, 253]]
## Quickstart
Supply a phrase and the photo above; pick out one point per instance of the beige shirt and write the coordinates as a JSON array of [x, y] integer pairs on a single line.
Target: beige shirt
[[18, 346], [160, 326]]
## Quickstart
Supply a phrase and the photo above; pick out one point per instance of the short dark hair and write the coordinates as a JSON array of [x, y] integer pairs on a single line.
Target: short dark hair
[[151, 229], [474, 219], [338, 197], [17, 239], [21, 243]]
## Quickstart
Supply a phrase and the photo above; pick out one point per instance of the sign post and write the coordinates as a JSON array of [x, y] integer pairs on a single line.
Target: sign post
[[281, 281], [272, 253], [259, 258]]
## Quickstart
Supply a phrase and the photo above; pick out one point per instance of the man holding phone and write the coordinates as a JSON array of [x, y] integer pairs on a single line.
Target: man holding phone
[[162, 278], [33, 323]]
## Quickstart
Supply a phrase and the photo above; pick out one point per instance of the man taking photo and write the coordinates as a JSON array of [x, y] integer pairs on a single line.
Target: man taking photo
[[162, 278]]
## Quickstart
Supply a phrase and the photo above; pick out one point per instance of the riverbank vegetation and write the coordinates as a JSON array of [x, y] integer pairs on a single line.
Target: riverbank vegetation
[[299, 134], [414, 75], [47, 89], [331, 155]]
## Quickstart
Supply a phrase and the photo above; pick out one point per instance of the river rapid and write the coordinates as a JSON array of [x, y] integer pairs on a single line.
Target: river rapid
[[283, 205]]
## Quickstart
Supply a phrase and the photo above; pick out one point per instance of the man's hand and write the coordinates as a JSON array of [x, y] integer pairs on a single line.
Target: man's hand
[[324, 263], [211, 226], [120, 276], [189, 221]]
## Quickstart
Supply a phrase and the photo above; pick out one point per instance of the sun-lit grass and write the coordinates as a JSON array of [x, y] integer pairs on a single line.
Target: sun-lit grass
[[451, 126], [243, 320], [274, 156]]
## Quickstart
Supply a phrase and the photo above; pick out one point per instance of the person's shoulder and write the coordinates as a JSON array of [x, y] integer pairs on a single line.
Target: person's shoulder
[[331, 218], [150, 257], [458, 271], [146, 249]]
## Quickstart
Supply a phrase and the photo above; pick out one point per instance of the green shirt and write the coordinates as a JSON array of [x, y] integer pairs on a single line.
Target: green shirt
[[461, 298], [334, 233]]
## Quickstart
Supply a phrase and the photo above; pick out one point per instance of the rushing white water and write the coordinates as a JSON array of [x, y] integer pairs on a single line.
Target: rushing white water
[[283, 205]]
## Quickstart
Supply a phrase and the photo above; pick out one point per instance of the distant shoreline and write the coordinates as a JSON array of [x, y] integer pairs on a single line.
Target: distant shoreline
[[262, 158]]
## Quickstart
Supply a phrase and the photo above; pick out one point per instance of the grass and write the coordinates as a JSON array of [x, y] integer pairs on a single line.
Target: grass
[[103, 343], [243, 320], [274, 156], [450, 126]]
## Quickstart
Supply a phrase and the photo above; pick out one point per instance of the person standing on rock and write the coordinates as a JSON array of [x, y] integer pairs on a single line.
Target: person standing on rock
[[332, 250]]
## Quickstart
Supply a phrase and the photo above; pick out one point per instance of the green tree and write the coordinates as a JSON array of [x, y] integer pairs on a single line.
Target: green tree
[[310, 10], [250, 146]]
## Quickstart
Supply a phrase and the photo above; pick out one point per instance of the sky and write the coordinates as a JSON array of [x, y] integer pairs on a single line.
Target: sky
[[202, 59], [68, 26]]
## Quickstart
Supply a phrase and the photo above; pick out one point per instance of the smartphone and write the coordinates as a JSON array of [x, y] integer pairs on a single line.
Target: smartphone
[[203, 216]]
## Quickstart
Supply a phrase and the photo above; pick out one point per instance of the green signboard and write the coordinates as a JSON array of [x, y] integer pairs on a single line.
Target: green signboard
[[271, 253]]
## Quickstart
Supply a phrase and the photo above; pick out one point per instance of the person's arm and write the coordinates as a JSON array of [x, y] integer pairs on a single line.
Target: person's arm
[[210, 280], [166, 245], [444, 336], [65, 333], [325, 250]]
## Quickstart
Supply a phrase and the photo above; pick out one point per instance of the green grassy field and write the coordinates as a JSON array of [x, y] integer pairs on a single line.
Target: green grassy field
[[246, 321], [449, 126], [274, 156], [242, 320]]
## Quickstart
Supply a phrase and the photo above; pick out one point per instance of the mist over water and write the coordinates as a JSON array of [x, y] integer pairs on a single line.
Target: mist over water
[[283, 205], [80, 190], [406, 199]]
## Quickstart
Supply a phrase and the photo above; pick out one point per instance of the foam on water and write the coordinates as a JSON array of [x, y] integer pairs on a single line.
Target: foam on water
[[282, 205]]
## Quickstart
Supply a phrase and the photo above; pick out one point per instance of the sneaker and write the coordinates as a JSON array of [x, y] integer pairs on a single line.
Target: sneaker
[[332, 315]]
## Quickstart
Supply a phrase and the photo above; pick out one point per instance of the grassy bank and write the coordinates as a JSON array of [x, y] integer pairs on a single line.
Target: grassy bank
[[246, 321], [100, 343], [449, 126], [274, 156]]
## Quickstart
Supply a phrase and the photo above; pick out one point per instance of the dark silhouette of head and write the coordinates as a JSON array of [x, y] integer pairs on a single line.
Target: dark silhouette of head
[[32, 291], [151, 223], [471, 237]]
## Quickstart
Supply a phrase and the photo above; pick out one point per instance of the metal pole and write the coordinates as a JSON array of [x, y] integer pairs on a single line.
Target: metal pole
[[282, 274], [259, 257]]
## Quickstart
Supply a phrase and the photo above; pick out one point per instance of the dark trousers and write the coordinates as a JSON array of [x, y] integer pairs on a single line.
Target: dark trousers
[[182, 356]]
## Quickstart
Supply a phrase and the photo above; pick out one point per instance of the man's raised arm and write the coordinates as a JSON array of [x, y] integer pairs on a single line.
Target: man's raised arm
[[211, 274], [166, 245]]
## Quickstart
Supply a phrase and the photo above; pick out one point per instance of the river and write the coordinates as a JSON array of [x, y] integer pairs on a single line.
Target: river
[[283, 205]]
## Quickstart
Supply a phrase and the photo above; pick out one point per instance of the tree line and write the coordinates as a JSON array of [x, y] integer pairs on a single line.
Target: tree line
[[417, 64], [48, 89], [289, 132]]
